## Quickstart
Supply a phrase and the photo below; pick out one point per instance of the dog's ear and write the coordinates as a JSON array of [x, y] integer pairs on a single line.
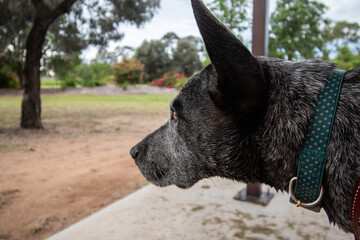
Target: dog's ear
[[240, 85]]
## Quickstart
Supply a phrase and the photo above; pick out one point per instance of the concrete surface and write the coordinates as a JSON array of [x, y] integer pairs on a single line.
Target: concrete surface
[[206, 211]]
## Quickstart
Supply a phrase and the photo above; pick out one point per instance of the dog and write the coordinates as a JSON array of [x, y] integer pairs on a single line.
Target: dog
[[245, 118]]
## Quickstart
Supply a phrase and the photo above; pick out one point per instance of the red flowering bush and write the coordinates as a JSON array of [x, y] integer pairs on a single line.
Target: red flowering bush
[[128, 71], [170, 80]]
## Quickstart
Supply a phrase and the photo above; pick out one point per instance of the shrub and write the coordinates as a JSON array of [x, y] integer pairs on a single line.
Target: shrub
[[346, 58], [72, 72], [64, 66], [125, 85], [107, 80], [95, 74], [130, 71], [100, 72], [8, 78], [84, 74], [8, 75], [170, 80], [69, 80]]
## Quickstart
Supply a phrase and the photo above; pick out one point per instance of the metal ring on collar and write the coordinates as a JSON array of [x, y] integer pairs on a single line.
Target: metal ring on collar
[[298, 202]]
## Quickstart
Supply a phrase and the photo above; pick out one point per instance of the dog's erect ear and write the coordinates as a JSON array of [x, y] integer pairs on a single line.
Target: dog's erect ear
[[241, 85]]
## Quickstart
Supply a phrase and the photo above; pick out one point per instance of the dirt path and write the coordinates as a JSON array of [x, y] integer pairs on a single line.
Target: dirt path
[[52, 178]]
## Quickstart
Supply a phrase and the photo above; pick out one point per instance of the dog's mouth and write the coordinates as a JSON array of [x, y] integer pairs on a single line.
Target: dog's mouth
[[183, 186], [155, 174], [162, 177], [159, 173]]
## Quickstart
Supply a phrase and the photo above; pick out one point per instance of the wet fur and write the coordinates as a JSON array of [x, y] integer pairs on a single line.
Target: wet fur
[[223, 131]]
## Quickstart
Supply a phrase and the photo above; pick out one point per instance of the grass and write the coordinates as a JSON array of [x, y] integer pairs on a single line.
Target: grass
[[83, 107], [50, 84], [4, 235], [6, 195], [34, 228], [10, 147]]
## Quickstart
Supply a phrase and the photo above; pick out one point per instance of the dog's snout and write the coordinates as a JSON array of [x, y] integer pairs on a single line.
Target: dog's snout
[[134, 152]]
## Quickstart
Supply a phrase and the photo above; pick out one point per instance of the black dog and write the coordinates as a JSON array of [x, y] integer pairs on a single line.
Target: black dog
[[245, 118]]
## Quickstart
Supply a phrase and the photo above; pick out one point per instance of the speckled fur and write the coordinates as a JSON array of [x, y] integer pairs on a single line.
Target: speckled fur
[[295, 87], [213, 138]]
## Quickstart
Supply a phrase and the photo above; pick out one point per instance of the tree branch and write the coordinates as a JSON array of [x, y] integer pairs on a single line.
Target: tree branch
[[37, 3], [63, 8]]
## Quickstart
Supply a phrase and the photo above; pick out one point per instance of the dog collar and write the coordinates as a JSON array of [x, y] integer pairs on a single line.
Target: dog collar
[[308, 191]]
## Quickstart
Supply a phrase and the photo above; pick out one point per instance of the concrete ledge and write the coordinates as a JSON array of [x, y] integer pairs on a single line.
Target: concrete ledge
[[206, 211]]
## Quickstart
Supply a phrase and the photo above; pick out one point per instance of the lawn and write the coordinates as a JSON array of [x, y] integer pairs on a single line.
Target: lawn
[[50, 84], [83, 107]]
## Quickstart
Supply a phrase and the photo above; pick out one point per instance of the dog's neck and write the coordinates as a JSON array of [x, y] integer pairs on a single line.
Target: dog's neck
[[293, 92], [243, 171]]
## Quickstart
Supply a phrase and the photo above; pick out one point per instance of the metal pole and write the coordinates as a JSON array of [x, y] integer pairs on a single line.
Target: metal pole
[[260, 35], [260, 43]]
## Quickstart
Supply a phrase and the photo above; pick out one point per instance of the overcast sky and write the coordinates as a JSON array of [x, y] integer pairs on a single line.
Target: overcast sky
[[176, 16]]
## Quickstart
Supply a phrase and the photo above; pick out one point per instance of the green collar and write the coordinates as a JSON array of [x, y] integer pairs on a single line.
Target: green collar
[[308, 190]]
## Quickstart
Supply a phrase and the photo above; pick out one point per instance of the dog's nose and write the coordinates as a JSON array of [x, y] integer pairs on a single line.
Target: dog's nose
[[134, 152]]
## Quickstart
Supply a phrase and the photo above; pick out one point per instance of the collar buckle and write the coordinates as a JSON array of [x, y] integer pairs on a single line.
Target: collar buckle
[[314, 206]]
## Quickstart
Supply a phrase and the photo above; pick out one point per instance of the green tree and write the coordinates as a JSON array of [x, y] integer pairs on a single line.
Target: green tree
[[92, 75], [346, 59], [170, 39], [155, 58], [15, 23], [62, 66], [185, 58], [170, 53], [114, 56], [297, 29], [94, 22], [232, 13], [198, 43], [343, 34]]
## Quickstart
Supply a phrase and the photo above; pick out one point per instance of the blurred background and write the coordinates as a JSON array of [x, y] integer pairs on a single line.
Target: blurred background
[[82, 81]]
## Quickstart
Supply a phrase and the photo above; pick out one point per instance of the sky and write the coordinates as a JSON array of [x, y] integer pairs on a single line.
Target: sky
[[177, 16]]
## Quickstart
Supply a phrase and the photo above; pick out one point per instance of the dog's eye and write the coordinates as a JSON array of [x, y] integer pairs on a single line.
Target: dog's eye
[[174, 116]]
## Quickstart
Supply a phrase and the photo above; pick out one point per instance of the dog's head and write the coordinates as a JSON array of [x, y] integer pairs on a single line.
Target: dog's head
[[213, 118]]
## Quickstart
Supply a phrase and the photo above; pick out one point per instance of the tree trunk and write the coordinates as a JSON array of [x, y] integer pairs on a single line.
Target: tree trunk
[[31, 103]]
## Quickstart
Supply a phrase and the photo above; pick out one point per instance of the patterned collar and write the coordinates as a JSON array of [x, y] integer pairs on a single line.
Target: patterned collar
[[308, 191]]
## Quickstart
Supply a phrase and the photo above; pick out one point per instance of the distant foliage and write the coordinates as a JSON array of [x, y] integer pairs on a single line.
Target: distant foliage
[[234, 14], [63, 66], [344, 33], [69, 80], [346, 59], [155, 58], [297, 29], [8, 77], [129, 71], [170, 53], [71, 72], [185, 58], [171, 80], [300, 30], [93, 75]]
